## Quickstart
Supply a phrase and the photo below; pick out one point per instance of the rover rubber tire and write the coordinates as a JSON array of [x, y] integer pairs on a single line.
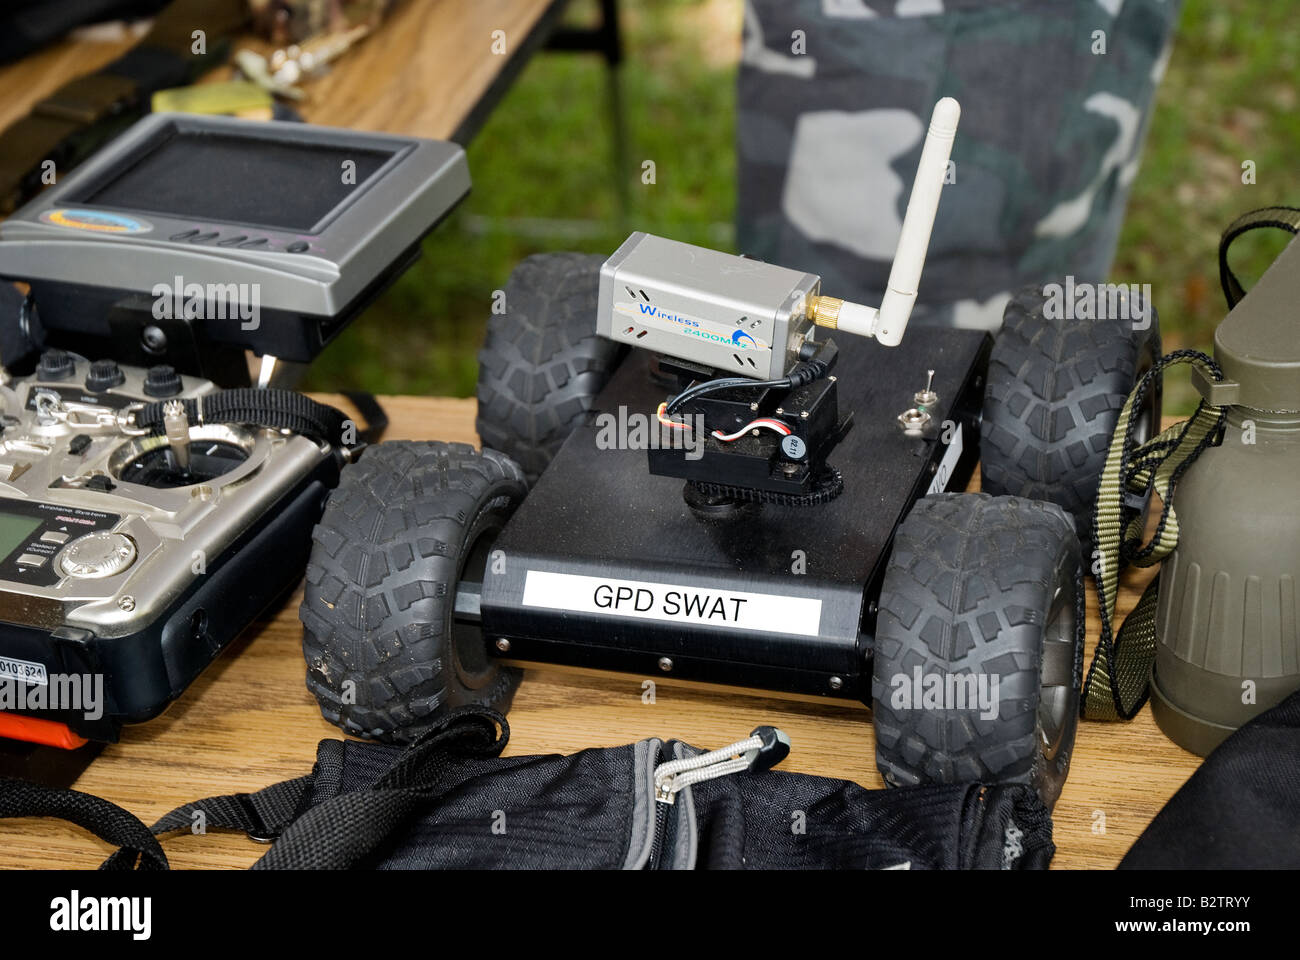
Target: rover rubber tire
[[542, 363], [980, 585], [384, 656], [1053, 396]]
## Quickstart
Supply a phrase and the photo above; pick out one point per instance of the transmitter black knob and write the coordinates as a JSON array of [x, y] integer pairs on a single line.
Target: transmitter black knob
[[104, 375], [55, 365], [162, 381]]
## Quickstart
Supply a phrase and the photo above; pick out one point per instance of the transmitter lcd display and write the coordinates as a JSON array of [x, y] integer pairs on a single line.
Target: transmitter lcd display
[[204, 176], [15, 528]]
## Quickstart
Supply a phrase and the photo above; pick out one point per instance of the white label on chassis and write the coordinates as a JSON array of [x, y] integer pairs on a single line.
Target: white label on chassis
[[947, 465], [24, 671], [641, 600]]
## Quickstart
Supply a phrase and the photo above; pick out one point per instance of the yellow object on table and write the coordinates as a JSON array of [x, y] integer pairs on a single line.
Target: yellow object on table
[[232, 97]]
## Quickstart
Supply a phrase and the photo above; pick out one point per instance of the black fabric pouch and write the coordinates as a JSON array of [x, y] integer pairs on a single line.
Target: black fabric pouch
[[1240, 810], [450, 801]]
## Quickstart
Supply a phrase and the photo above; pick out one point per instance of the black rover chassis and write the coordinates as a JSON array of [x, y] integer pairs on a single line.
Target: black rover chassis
[[618, 574]]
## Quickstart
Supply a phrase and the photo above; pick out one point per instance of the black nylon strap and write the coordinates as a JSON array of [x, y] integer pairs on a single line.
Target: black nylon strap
[[341, 832], [335, 834], [261, 815], [1280, 218], [151, 68], [369, 407], [139, 847], [266, 407]]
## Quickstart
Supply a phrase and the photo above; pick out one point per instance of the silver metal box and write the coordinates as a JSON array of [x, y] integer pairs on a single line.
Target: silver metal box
[[744, 317]]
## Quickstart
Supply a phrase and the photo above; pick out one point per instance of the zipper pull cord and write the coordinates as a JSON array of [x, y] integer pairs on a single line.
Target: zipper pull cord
[[761, 750]]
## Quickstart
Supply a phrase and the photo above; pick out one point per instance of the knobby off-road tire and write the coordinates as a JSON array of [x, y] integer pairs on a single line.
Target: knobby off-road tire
[[405, 524], [542, 363], [990, 587], [1054, 392]]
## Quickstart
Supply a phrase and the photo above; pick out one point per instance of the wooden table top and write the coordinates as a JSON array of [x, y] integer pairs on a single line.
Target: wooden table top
[[249, 722], [428, 71]]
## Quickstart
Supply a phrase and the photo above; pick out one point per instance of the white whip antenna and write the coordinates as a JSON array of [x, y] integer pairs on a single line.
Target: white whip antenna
[[888, 323]]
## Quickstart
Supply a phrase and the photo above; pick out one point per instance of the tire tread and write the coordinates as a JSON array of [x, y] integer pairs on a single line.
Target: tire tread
[[382, 573], [1054, 393], [542, 362], [965, 592]]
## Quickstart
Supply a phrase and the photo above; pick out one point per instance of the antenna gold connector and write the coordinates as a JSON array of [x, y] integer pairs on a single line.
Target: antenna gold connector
[[826, 312]]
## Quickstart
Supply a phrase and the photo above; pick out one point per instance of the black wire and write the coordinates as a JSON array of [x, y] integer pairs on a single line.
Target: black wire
[[713, 386], [803, 373]]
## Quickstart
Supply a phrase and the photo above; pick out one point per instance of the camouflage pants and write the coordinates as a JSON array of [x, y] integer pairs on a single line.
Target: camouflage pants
[[834, 102]]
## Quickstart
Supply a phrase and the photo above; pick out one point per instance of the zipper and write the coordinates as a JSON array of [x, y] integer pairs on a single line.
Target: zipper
[[656, 847], [761, 750]]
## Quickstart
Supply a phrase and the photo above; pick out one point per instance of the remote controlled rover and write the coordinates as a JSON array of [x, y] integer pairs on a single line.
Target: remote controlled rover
[[746, 498]]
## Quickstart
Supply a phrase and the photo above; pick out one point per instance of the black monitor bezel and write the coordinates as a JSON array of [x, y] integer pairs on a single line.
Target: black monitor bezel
[[181, 124]]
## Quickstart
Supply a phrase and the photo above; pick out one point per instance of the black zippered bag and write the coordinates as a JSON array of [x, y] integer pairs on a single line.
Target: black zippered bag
[[451, 801]]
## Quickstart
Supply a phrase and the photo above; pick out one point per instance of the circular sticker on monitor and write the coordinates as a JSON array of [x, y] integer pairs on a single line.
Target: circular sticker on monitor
[[101, 221]]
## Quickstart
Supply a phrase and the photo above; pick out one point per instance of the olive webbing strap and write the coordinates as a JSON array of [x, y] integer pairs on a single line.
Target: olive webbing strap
[[1117, 683], [1119, 678]]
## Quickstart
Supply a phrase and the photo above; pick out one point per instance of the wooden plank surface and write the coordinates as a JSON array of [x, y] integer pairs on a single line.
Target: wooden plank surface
[[249, 721], [423, 73]]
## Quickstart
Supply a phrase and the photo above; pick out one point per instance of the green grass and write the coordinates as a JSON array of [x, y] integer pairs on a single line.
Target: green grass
[[1229, 96], [545, 178]]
